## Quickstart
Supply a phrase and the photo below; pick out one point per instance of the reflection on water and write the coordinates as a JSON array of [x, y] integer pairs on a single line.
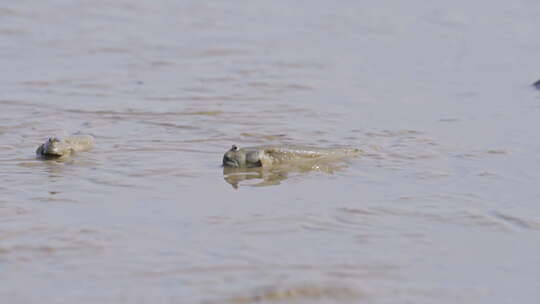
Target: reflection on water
[[259, 177], [256, 176]]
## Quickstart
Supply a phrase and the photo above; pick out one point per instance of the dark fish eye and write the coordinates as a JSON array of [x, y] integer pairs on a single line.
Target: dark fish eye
[[234, 148]]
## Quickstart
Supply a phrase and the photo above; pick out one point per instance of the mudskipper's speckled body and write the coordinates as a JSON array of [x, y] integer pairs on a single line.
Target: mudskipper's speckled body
[[267, 156], [56, 148]]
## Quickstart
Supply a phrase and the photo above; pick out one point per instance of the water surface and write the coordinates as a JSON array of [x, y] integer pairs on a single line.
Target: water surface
[[441, 207]]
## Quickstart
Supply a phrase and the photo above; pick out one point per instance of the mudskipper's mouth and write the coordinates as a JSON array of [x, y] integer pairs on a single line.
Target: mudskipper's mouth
[[54, 152], [50, 155], [230, 163]]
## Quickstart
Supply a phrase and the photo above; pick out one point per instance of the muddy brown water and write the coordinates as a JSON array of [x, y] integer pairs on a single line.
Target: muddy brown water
[[441, 208]]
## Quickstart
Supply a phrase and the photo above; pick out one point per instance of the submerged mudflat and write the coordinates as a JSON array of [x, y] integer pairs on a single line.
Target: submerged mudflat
[[441, 207]]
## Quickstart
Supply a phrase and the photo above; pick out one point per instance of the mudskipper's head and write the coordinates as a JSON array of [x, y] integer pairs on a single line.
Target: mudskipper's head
[[53, 147], [234, 158]]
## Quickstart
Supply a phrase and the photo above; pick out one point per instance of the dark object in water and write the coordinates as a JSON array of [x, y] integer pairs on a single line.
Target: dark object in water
[[537, 84]]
